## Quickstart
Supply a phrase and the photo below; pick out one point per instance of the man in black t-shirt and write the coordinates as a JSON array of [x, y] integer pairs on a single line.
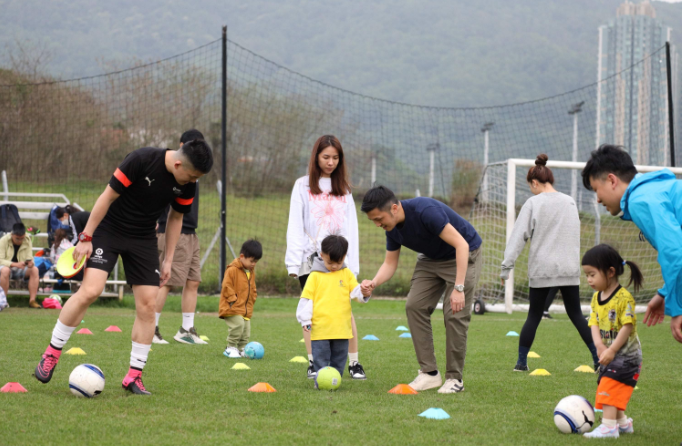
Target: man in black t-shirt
[[449, 262], [123, 222], [186, 268]]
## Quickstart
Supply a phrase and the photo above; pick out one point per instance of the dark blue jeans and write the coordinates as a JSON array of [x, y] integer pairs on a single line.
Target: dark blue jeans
[[330, 352]]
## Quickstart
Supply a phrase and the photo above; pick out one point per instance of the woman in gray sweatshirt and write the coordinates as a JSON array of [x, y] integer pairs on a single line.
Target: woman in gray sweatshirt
[[550, 219]]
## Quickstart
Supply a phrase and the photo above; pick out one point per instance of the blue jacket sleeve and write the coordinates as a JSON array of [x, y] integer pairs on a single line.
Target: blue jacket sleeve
[[654, 215]]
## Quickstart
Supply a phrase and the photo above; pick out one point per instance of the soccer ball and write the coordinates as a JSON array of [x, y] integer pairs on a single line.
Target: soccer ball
[[87, 381], [328, 378], [574, 415], [254, 350], [57, 297]]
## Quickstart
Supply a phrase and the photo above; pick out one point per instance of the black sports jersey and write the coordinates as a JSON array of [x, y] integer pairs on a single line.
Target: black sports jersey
[[146, 188], [190, 220]]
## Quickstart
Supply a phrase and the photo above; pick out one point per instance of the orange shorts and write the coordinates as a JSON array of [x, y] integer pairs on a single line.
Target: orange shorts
[[613, 393]]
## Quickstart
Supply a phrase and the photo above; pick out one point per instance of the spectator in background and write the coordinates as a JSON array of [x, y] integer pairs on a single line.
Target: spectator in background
[[16, 262], [61, 244], [77, 222]]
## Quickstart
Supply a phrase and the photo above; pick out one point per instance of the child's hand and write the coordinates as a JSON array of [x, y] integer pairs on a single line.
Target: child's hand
[[306, 328], [601, 348], [606, 357]]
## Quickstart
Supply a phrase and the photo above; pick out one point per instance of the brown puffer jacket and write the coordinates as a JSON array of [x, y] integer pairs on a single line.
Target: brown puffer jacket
[[238, 293]]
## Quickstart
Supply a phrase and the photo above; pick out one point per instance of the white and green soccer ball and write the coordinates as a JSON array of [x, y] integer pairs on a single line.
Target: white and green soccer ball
[[56, 297], [328, 378]]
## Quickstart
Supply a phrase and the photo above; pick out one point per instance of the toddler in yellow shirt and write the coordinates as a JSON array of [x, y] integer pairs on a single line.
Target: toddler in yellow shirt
[[324, 308]]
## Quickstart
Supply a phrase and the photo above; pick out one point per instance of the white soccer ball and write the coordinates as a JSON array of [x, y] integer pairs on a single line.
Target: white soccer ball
[[574, 415], [57, 297], [86, 381]]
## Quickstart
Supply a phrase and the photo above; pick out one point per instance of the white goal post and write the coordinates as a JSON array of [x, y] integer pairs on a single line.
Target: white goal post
[[485, 215]]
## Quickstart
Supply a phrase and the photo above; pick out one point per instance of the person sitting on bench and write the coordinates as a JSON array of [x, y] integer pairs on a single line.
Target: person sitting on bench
[[16, 262]]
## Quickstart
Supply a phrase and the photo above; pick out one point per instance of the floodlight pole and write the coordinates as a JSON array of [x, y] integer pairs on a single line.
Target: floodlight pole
[[486, 150], [432, 148], [574, 110]]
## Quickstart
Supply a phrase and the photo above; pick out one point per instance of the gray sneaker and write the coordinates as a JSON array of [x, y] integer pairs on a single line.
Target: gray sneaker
[[184, 337], [158, 339], [196, 337]]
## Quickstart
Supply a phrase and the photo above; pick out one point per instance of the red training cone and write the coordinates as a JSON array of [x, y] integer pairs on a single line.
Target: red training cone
[[262, 387], [84, 331], [112, 328], [13, 388], [403, 389]]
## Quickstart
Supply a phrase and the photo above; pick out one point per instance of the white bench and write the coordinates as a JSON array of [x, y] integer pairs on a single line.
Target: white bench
[[37, 206]]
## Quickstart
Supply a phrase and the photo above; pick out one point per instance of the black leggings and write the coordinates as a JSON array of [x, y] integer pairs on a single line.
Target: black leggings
[[538, 298]]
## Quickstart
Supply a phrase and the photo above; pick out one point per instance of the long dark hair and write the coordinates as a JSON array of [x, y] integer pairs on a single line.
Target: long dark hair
[[59, 235], [340, 184], [540, 171], [604, 257]]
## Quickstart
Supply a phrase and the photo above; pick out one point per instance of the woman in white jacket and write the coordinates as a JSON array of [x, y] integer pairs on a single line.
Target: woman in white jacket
[[322, 204]]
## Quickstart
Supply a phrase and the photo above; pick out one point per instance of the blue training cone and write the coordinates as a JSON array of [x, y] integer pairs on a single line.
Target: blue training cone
[[435, 414], [512, 333], [370, 338], [405, 335], [401, 328]]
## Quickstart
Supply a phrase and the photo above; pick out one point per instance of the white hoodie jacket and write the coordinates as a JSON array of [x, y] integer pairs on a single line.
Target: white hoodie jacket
[[313, 217]]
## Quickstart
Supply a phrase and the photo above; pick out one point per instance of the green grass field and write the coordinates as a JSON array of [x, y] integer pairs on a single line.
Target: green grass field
[[198, 399]]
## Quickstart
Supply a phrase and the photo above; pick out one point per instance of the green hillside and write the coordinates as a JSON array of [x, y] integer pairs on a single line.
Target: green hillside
[[435, 52]]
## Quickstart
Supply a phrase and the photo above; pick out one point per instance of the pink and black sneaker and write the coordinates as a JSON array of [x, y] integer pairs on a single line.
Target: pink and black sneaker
[[133, 383], [47, 364]]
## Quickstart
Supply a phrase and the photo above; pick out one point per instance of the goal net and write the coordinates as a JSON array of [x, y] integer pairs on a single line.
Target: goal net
[[503, 192]]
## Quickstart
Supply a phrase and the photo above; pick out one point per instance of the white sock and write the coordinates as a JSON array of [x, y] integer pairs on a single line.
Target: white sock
[[187, 320], [61, 334], [310, 358], [138, 355], [158, 316], [608, 423], [352, 358], [623, 421]]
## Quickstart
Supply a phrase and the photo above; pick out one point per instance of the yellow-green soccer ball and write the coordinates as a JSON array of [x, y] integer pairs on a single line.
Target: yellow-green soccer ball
[[328, 378]]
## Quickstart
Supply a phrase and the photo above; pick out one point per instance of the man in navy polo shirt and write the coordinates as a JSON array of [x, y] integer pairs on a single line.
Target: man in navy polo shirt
[[449, 261]]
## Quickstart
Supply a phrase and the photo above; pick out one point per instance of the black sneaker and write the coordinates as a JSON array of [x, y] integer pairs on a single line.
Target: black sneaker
[[520, 368], [356, 371], [546, 315], [45, 368], [311, 371], [134, 386]]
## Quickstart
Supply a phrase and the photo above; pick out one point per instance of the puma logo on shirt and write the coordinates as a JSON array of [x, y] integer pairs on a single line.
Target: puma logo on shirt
[[149, 181]]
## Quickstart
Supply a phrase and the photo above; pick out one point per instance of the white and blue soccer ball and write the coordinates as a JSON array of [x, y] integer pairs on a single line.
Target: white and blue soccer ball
[[254, 350], [86, 381], [574, 415]]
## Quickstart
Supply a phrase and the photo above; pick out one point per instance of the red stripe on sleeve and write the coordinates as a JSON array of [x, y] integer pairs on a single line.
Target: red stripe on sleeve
[[184, 201], [120, 176]]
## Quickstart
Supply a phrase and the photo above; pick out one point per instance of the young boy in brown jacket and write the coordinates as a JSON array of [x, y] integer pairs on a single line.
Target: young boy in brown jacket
[[238, 296]]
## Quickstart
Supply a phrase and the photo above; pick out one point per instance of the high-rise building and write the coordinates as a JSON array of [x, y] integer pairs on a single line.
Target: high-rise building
[[632, 107]]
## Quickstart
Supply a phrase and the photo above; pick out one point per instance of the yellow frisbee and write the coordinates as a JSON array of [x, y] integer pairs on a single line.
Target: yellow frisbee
[[67, 266]]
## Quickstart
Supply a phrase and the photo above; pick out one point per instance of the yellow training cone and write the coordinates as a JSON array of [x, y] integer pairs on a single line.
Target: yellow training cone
[[298, 359], [584, 369], [540, 372], [533, 355], [302, 340], [240, 366], [204, 338], [75, 351]]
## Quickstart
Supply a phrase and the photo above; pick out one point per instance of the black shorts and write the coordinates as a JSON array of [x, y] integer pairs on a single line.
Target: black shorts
[[623, 370], [139, 255]]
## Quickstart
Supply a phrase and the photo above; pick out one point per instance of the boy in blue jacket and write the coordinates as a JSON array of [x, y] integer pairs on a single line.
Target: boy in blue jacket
[[653, 201]]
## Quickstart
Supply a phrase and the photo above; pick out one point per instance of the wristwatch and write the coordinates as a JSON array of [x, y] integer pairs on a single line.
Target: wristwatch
[[83, 237], [459, 288]]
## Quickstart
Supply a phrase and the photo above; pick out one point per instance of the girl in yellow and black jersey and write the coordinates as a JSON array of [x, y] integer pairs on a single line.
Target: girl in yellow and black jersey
[[614, 330]]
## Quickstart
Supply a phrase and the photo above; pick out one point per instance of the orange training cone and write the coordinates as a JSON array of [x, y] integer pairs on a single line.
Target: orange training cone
[[84, 331], [403, 389], [262, 387], [112, 328], [13, 388]]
